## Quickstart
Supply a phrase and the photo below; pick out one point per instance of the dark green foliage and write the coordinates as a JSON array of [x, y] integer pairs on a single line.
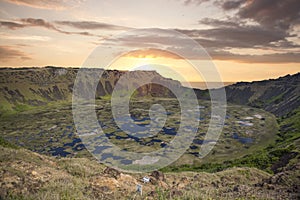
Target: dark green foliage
[[7, 144], [275, 155]]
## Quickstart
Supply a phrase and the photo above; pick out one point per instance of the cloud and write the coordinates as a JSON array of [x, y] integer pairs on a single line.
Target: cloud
[[218, 42], [266, 58], [46, 4], [33, 22], [219, 23], [194, 2], [257, 24], [229, 5], [152, 53], [274, 14], [24, 37], [91, 25], [227, 34], [153, 38], [234, 32], [235, 36], [10, 53], [11, 25], [41, 23], [30, 22]]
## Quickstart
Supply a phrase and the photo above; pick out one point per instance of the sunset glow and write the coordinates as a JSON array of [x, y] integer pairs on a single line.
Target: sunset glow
[[247, 41]]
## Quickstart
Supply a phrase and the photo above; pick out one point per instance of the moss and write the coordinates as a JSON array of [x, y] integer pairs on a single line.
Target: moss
[[21, 107], [5, 143]]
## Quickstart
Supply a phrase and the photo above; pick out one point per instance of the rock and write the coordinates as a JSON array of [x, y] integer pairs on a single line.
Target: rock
[[104, 189], [105, 184], [267, 94], [158, 175], [197, 177], [241, 188], [112, 172], [175, 192], [236, 188], [127, 182], [34, 173], [184, 179], [151, 193], [180, 185], [270, 187], [215, 184]]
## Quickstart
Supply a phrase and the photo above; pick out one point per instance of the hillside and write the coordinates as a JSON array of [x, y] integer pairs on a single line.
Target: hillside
[[278, 96], [257, 155], [25, 87], [22, 88], [28, 175]]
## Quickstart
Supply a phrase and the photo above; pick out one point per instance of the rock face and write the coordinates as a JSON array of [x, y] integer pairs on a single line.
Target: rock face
[[38, 86], [278, 96]]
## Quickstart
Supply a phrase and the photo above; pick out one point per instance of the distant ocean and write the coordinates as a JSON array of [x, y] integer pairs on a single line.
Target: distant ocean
[[202, 85]]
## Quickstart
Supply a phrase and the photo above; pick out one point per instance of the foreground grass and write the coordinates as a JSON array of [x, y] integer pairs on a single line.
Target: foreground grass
[[28, 175], [284, 150]]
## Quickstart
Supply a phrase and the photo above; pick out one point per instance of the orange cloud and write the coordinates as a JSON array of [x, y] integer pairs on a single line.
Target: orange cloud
[[46, 4], [152, 53]]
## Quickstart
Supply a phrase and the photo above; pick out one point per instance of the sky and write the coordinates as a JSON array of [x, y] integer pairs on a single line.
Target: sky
[[245, 40]]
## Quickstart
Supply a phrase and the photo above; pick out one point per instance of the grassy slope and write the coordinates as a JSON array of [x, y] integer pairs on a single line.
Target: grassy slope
[[284, 151], [28, 175], [69, 178]]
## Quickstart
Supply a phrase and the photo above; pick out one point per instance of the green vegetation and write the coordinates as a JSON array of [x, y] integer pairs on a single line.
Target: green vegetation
[[27, 175], [22, 107], [53, 131], [260, 160], [36, 114], [7, 144], [280, 153]]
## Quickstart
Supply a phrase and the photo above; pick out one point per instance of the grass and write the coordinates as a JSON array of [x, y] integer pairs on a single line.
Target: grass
[[53, 127], [55, 179], [78, 178], [74, 178], [5, 143], [286, 143]]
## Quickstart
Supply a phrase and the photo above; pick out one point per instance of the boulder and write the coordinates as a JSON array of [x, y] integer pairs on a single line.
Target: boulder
[[158, 175], [111, 172]]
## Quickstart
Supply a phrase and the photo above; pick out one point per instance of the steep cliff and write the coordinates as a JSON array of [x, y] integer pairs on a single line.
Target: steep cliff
[[24, 87], [20, 88], [278, 96]]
